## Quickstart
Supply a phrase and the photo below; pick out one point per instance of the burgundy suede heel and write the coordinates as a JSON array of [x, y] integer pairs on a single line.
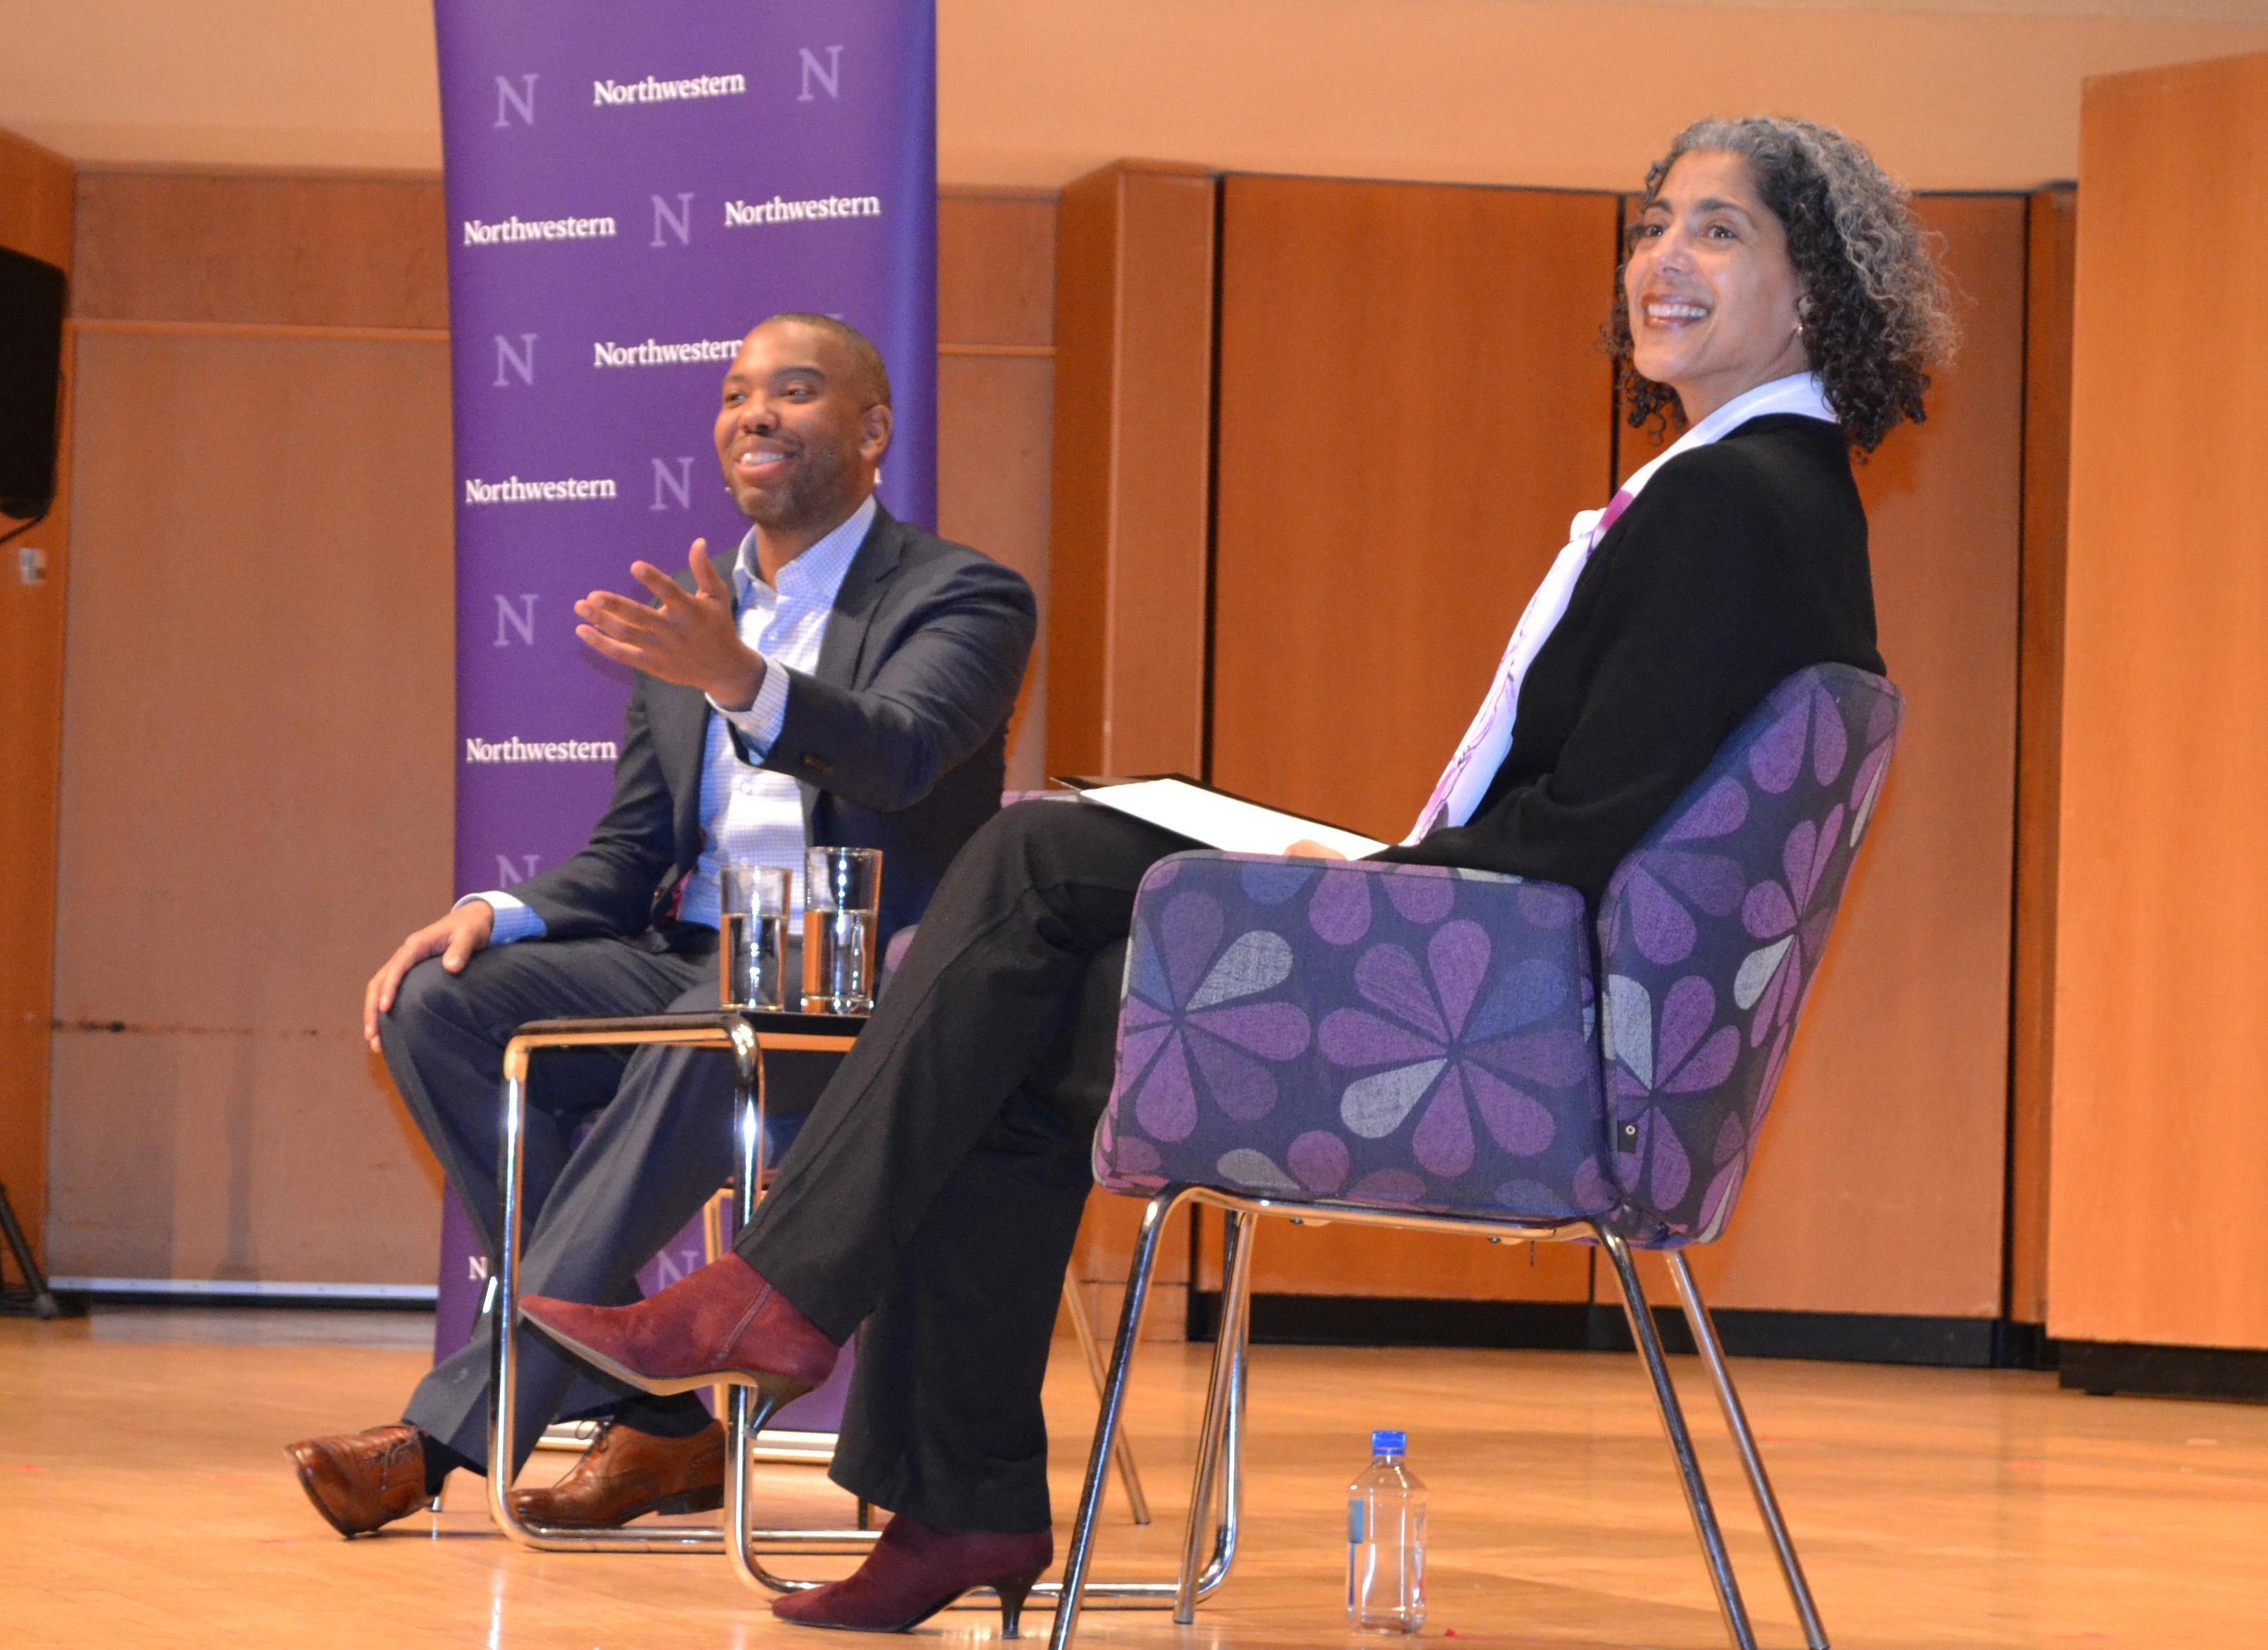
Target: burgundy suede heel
[[915, 1571], [1013, 1590]]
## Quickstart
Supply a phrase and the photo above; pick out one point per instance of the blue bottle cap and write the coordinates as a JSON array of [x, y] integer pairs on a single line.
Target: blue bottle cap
[[1388, 1443]]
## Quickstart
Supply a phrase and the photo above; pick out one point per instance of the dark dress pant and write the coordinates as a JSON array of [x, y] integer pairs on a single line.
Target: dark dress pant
[[624, 1147], [935, 1191]]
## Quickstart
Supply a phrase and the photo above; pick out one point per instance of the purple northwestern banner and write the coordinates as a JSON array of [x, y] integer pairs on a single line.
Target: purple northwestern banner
[[630, 190]]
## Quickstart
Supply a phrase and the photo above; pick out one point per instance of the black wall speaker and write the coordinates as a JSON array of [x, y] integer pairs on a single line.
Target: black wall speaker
[[30, 382]]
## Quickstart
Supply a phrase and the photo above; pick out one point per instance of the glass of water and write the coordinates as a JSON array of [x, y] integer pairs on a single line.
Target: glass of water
[[841, 906], [752, 934]]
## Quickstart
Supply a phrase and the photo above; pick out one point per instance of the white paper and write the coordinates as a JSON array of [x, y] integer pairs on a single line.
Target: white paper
[[1224, 821]]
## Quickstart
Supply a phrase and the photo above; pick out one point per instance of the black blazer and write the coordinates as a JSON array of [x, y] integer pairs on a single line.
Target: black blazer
[[899, 738], [1739, 565]]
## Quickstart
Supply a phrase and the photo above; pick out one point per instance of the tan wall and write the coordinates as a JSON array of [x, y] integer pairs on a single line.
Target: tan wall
[[1954, 93], [1571, 95], [35, 219], [255, 801], [2157, 1228]]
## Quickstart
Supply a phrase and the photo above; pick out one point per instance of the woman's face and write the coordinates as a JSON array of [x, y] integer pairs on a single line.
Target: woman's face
[[1711, 291]]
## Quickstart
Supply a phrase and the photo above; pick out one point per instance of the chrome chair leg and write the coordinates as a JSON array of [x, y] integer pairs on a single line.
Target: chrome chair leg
[[1681, 1442], [1071, 1591], [1737, 1420], [1219, 1439], [1082, 1328]]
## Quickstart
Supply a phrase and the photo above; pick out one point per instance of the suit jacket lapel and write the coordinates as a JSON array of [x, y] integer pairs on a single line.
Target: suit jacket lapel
[[842, 648], [677, 719]]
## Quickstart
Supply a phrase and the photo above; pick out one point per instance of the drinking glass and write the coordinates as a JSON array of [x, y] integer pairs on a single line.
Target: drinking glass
[[752, 934], [842, 907]]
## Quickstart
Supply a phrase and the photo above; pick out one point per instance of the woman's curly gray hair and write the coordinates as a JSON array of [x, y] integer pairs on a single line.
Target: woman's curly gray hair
[[1876, 316]]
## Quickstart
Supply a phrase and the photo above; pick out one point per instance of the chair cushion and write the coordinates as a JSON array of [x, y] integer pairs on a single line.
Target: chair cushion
[[1400, 1035]]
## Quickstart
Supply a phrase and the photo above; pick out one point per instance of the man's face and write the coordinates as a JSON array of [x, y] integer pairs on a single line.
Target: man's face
[[798, 443]]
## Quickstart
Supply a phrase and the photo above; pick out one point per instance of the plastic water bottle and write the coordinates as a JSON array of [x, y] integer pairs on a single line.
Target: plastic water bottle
[[1386, 1543]]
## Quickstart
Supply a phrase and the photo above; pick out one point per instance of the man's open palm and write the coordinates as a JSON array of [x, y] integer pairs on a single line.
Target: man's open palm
[[686, 636]]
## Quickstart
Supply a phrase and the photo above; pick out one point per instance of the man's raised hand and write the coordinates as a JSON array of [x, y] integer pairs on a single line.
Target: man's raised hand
[[688, 637], [454, 939]]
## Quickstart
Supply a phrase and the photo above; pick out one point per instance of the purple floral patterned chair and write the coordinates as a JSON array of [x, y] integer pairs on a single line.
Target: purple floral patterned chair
[[1410, 1046]]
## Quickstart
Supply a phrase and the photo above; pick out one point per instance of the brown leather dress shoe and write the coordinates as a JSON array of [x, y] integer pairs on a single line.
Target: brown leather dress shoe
[[916, 1570], [627, 1474], [360, 1481], [721, 1322]]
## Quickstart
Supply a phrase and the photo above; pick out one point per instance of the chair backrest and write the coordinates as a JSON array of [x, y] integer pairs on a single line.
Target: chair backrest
[[1710, 936]]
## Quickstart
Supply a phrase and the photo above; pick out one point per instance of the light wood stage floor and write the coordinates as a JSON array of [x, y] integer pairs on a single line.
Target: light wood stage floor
[[145, 1501]]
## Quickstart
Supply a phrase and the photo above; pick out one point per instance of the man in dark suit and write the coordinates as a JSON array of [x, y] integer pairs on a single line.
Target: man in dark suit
[[851, 685]]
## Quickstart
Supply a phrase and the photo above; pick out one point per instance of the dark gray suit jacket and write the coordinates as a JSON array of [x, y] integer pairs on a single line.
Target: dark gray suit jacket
[[899, 738]]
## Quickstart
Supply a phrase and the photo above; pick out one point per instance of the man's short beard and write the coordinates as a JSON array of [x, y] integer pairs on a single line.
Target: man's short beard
[[796, 504]]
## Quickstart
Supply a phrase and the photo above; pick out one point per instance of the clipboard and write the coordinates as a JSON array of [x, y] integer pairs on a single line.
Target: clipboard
[[1217, 817]]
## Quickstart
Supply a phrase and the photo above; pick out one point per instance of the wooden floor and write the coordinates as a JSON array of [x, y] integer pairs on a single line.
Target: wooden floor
[[145, 1502]]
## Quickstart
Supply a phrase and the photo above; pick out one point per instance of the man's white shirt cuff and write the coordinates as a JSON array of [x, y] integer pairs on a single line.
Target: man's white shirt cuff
[[760, 723], [514, 920]]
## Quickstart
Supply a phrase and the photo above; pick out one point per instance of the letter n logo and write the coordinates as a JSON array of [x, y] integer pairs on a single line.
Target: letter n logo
[[828, 74], [679, 223], [523, 620], [679, 486], [509, 100], [521, 360]]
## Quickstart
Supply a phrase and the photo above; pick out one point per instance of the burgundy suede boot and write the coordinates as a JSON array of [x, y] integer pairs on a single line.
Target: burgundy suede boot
[[916, 1570], [721, 1324]]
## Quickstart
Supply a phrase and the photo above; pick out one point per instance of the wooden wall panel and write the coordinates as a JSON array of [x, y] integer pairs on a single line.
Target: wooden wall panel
[[1403, 440], [1316, 1259], [1133, 391], [996, 270], [1903, 1064], [35, 218], [255, 802], [995, 407], [251, 249], [36, 202], [995, 415], [1878, 1186], [2052, 230], [1125, 632], [2158, 1231]]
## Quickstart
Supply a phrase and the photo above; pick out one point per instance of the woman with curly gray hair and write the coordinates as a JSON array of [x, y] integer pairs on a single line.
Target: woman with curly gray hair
[[1777, 295], [1871, 305]]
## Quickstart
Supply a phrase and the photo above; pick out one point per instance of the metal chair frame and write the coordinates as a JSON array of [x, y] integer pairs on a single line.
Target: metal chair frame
[[1220, 1448], [745, 1034]]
